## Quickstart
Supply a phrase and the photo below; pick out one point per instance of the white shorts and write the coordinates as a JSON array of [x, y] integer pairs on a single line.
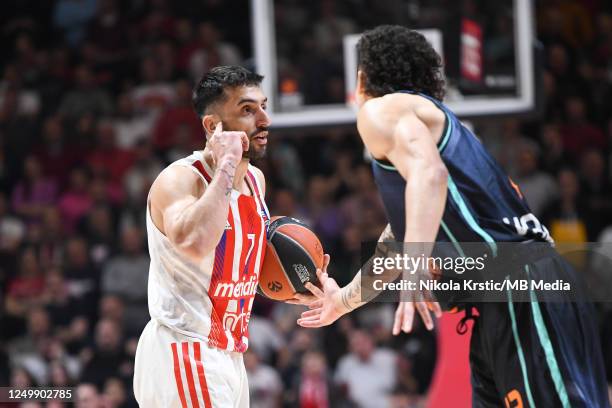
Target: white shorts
[[176, 371]]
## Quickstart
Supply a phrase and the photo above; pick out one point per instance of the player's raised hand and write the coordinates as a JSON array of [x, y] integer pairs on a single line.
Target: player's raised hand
[[228, 145]]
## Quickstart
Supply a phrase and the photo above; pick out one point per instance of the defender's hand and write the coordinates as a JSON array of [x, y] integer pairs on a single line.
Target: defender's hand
[[306, 299], [228, 146], [404, 314], [327, 308]]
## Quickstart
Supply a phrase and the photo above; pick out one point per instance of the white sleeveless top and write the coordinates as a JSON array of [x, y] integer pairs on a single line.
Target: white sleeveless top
[[211, 300]]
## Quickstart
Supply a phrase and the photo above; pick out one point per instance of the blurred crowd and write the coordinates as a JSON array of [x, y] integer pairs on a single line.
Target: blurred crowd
[[95, 100]]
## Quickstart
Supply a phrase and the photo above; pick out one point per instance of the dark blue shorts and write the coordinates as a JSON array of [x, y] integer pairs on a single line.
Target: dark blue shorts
[[538, 353]]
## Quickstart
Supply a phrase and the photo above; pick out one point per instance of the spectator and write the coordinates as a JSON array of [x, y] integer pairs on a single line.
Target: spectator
[[554, 157], [86, 97], [179, 113], [126, 275], [50, 245], [107, 158], [596, 191], [265, 339], [58, 375], [18, 132], [72, 17], [87, 396], [210, 51], [34, 193], [285, 203], [55, 155], [538, 188], [82, 277], [61, 307], [565, 217], [108, 33], [354, 372], [12, 229], [37, 347], [265, 387], [315, 386], [152, 95], [25, 289], [115, 395], [130, 128], [99, 228], [107, 357], [139, 178], [76, 200], [578, 132]]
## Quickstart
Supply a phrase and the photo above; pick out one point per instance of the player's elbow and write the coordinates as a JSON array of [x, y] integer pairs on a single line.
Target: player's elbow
[[190, 244], [437, 175]]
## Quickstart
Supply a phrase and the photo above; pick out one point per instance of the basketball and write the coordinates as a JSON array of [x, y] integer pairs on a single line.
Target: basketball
[[292, 257]]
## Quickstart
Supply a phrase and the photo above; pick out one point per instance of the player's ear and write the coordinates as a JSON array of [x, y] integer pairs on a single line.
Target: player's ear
[[360, 80], [360, 88], [209, 123]]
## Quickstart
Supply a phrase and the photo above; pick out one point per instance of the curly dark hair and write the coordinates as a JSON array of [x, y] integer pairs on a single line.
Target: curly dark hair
[[210, 88], [396, 58]]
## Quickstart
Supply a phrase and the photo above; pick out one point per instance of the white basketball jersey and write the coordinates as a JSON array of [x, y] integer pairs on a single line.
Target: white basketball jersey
[[211, 300]]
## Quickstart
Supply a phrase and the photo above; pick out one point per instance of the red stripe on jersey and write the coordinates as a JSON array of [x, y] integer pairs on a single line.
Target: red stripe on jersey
[[258, 196], [254, 183], [200, 369], [177, 376], [198, 165], [190, 382]]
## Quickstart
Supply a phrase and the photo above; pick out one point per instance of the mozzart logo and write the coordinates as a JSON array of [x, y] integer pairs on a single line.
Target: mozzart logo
[[236, 289]]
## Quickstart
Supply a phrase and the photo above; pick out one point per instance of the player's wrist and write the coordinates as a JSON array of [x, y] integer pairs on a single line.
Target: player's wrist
[[228, 165], [341, 305]]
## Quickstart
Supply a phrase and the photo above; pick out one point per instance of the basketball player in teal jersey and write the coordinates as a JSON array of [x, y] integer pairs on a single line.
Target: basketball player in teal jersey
[[439, 184]]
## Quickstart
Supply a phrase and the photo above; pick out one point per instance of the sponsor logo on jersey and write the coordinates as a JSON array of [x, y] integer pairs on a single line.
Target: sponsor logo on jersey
[[227, 225], [236, 289]]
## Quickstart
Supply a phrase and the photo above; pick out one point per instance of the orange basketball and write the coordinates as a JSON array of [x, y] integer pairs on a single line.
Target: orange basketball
[[293, 255]]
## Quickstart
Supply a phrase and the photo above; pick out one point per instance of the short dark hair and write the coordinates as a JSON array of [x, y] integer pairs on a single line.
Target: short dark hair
[[211, 87], [396, 58]]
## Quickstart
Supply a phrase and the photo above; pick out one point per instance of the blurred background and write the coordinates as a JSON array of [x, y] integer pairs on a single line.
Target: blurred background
[[95, 100]]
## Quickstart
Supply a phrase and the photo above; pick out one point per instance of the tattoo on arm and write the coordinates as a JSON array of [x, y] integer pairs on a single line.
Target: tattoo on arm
[[230, 180], [387, 234], [351, 297]]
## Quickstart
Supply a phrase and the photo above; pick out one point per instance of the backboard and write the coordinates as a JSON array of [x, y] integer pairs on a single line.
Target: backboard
[[306, 51]]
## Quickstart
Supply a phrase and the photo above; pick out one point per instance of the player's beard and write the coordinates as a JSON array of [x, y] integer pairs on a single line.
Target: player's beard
[[255, 152]]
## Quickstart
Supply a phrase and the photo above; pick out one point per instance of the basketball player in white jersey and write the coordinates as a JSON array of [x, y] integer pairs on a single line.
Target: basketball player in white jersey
[[206, 224]]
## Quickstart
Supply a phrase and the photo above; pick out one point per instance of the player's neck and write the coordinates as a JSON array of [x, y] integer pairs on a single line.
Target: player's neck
[[240, 174]]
